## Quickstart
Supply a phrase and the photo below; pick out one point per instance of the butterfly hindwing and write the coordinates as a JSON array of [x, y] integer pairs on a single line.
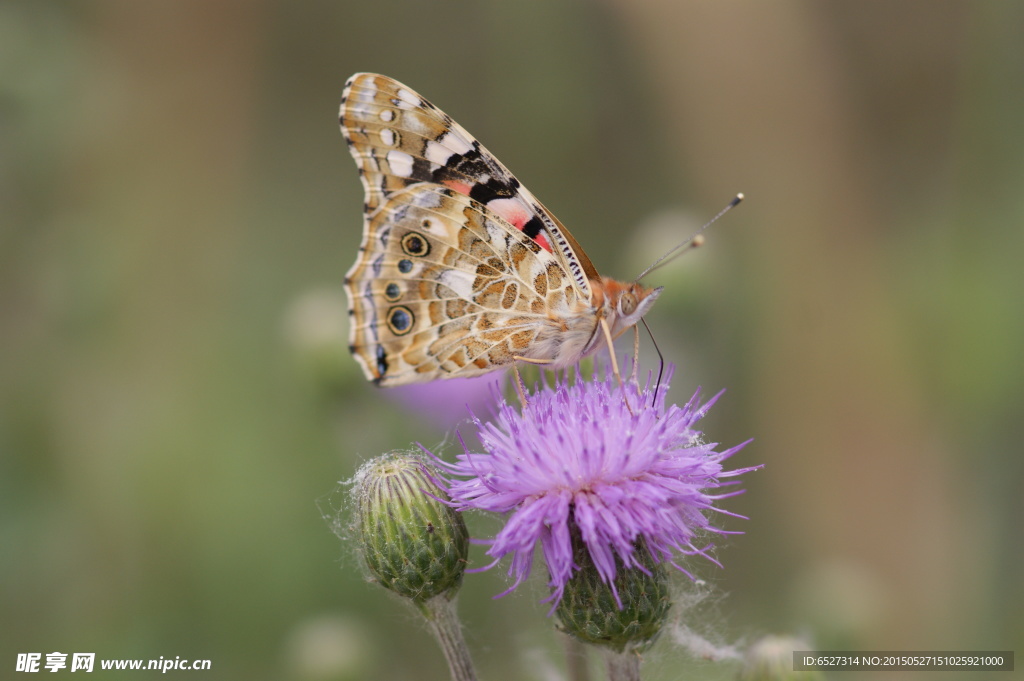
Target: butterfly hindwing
[[446, 287], [399, 139]]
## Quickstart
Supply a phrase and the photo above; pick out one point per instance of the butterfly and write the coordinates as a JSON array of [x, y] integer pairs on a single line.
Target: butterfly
[[461, 270]]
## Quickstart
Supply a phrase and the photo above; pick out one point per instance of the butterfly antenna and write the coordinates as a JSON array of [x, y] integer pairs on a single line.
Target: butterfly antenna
[[661, 362], [693, 242]]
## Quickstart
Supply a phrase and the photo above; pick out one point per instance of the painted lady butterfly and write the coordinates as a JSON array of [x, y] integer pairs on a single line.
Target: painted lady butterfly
[[461, 270]]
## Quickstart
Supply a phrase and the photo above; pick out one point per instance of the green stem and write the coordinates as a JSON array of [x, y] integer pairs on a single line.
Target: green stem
[[444, 624], [575, 659], [624, 666]]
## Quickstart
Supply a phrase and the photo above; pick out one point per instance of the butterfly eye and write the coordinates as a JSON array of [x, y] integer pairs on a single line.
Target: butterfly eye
[[415, 244], [627, 304]]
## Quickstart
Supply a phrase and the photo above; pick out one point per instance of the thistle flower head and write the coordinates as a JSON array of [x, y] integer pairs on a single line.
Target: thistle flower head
[[626, 614], [413, 542], [578, 459]]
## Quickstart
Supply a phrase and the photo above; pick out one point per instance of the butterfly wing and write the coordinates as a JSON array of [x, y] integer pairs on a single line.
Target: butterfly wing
[[445, 287], [399, 139]]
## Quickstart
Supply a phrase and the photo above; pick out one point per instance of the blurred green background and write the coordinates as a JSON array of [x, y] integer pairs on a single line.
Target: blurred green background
[[179, 209]]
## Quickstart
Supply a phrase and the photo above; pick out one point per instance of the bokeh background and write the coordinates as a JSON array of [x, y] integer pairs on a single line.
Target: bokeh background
[[179, 209]]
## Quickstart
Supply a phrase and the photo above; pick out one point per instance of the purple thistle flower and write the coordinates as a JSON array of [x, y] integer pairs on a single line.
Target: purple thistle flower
[[576, 457]]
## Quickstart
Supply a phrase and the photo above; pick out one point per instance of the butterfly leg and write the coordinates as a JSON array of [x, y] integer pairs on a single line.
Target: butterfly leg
[[636, 355], [520, 388], [615, 363]]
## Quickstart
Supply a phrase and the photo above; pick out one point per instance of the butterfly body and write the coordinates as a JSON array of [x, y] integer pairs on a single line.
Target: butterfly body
[[461, 270]]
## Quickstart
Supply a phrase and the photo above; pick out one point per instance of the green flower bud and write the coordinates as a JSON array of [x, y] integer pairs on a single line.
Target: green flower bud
[[413, 544], [589, 611], [771, 659]]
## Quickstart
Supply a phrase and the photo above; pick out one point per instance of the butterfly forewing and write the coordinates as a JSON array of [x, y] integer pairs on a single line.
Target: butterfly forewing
[[398, 138]]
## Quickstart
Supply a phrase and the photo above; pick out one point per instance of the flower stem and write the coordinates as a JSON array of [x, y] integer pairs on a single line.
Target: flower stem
[[444, 624], [575, 659], [624, 666]]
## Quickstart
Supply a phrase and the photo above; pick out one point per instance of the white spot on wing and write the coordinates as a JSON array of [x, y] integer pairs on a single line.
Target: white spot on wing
[[360, 110], [495, 231], [432, 226], [400, 162], [458, 281], [415, 123], [407, 99], [426, 199], [456, 142], [437, 153], [360, 102], [387, 136], [387, 115], [364, 94]]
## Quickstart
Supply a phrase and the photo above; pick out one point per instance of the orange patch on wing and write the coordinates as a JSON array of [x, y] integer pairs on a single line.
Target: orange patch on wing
[[460, 187], [517, 218]]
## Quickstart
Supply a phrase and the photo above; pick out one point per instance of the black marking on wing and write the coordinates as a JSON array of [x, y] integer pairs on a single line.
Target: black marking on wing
[[485, 192], [382, 364], [471, 166], [420, 169], [533, 227]]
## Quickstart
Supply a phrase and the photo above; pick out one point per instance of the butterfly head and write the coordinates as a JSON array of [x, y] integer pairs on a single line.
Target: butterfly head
[[624, 303]]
